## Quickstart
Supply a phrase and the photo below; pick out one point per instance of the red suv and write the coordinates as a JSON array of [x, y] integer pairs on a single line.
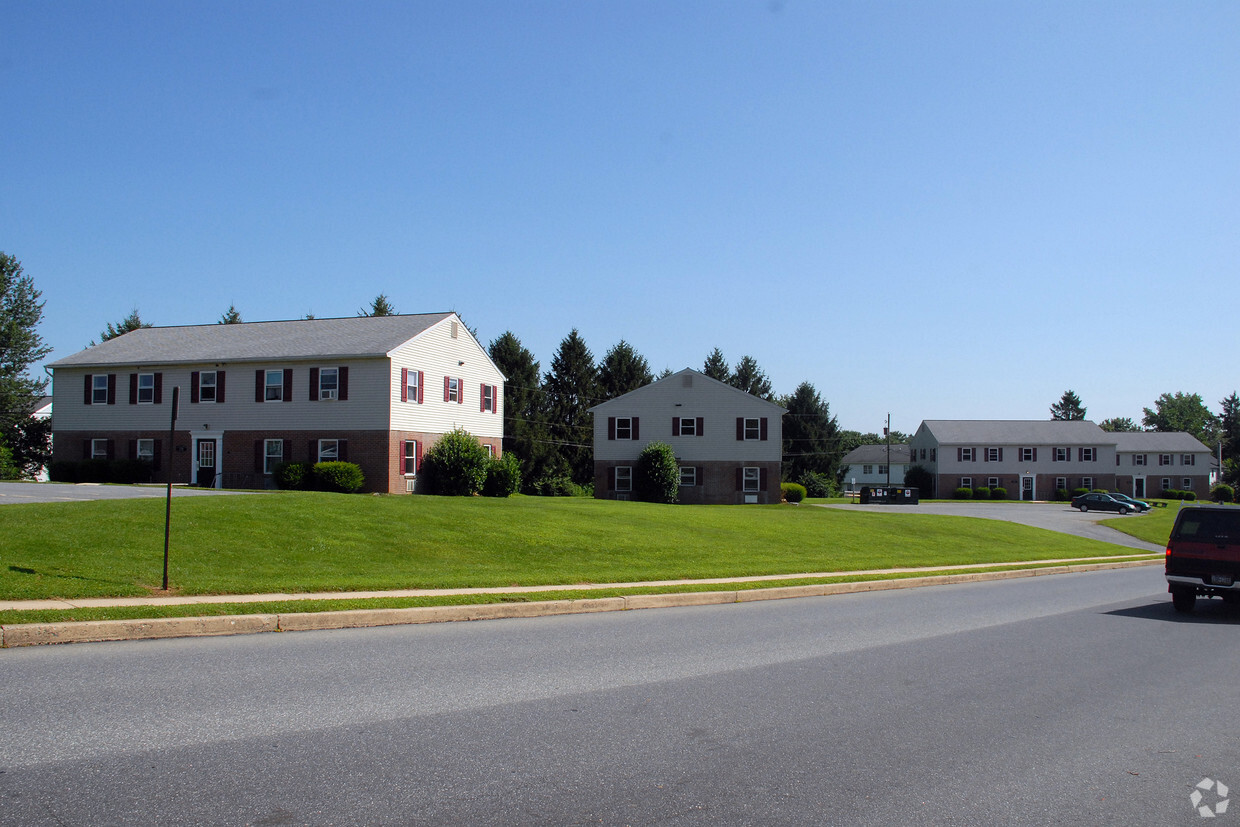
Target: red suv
[[1203, 555]]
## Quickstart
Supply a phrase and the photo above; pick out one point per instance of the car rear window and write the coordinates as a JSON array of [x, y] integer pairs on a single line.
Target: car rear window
[[1206, 526]]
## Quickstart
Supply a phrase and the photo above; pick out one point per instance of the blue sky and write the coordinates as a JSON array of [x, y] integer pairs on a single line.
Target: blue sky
[[934, 209]]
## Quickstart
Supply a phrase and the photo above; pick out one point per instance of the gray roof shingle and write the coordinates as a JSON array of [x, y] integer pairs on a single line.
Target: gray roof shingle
[[1016, 432], [356, 336]]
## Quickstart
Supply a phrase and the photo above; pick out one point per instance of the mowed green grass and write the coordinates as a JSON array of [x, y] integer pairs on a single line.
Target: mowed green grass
[[306, 542]]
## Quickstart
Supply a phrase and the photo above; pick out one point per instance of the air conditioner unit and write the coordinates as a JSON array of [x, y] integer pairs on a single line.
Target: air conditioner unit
[[329, 394], [409, 484]]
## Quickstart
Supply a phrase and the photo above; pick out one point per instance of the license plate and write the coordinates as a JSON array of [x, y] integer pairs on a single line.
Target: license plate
[[1221, 580]]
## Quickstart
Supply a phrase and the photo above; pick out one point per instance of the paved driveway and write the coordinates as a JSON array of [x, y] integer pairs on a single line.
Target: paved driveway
[[1054, 516], [55, 492]]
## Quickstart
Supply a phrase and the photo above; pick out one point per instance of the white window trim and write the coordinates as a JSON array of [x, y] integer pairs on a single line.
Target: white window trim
[[99, 389], [454, 390], [148, 456], [624, 478], [753, 432], [688, 426], [268, 466], [627, 427], [273, 392], [204, 386], [146, 389], [407, 456], [95, 449], [751, 480], [966, 482], [688, 475], [334, 456], [329, 393]]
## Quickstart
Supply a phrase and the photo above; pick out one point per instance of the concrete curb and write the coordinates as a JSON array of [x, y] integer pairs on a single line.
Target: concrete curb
[[35, 634]]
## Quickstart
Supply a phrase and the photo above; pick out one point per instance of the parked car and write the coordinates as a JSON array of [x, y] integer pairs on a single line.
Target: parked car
[[1135, 504], [1100, 502], [1203, 555]]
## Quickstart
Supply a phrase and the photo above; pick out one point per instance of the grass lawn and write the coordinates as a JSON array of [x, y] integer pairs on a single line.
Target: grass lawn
[[301, 542]]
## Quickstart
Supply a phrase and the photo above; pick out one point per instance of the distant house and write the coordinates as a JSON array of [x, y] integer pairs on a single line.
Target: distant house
[[42, 409], [868, 465], [1033, 459], [728, 443], [373, 390]]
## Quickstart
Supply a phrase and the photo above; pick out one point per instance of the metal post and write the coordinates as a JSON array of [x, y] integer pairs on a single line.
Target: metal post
[[172, 435], [887, 433]]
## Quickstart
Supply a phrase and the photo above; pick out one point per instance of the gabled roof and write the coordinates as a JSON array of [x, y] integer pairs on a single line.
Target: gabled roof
[[1176, 442], [351, 337], [876, 454], [697, 379], [1015, 432]]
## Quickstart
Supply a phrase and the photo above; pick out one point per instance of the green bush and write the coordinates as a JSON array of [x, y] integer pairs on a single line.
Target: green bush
[[963, 494], [503, 476], [63, 471], [1078, 492], [981, 492], [129, 471], [556, 485], [1223, 493], [792, 492], [8, 471], [456, 465], [818, 485], [1175, 494], [294, 476], [338, 477], [1062, 495], [656, 476], [919, 477], [998, 493]]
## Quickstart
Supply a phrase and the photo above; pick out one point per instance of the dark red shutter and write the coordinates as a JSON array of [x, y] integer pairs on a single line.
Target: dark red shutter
[[740, 479], [1000, 455], [342, 383], [342, 450], [740, 430], [314, 384], [421, 382], [286, 454], [635, 432], [133, 389], [611, 427], [111, 388], [698, 475], [258, 386], [90, 388], [259, 450], [675, 426], [111, 449], [460, 391], [193, 386], [959, 455], [446, 384], [404, 384], [1035, 454], [87, 451], [700, 423], [762, 478], [314, 451], [159, 388], [611, 479], [482, 397], [158, 453], [133, 449], [762, 425], [985, 455], [288, 385]]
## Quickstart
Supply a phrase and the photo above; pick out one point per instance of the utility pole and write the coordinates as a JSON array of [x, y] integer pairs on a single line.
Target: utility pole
[[172, 435], [887, 433]]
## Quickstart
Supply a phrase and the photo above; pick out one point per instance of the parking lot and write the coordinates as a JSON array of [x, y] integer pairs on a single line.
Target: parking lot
[[56, 492]]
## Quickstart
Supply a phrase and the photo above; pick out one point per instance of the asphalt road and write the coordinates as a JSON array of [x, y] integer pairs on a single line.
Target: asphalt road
[[1068, 699], [54, 492]]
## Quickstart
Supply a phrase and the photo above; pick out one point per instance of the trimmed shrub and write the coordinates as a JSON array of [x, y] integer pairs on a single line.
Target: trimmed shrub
[[792, 492], [1078, 492], [1223, 493], [818, 485], [1062, 495], [981, 493], [656, 476], [998, 493], [8, 471], [919, 477], [338, 477], [293, 476], [63, 471], [556, 485], [456, 465], [1175, 494], [503, 476], [963, 493]]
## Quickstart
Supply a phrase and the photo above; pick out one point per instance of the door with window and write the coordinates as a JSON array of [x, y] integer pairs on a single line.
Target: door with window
[[205, 451], [1026, 489], [1138, 487]]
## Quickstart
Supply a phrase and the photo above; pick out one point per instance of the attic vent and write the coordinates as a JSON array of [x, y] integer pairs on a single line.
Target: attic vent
[[687, 380], [453, 330]]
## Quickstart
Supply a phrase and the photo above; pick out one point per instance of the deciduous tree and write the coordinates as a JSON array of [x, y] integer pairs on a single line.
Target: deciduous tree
[[21, 311], [1118, 424], [1182, 412]]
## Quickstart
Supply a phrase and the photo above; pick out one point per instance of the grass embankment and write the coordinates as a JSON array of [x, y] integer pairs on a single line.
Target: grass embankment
[[321, 542]]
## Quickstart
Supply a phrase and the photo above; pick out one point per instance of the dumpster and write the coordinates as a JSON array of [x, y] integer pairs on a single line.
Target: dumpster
[[889, 495]]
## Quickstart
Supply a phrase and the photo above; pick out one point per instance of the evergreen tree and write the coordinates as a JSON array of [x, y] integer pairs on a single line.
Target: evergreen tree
[[716, 367], [750, 378], [231, 316], [571, 388], [623, 369], [1229, 434], [1182, 412], [811, 435], [381, 306], [21, 310], [1068, 407], [131, 322], [525, 432]]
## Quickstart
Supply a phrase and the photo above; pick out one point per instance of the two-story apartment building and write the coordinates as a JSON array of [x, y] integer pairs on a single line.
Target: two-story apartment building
[[874, 465], [1148, 462], [728, 443], [373, 390]]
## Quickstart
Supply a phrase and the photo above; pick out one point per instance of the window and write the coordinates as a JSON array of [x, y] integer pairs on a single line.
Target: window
[[624, 427], [994, 455], [411, 386], [1088, 454], [1087, 482], [966, 482], [273, 386], [992, 482], [1188, 484], [624, 478], [751, 430], [751, 480], [882, 469], [1138, 459], [452, 389], [685, 426], [146, 450], [1061, 483], [934, 454], [98, 449], [490, 449], [207, 386], [1063, 454], [923, 453], [967, 455], [411, 457], [488, 399], [329, 383], [1188, 459], [273, 454], [329, 450], [1028, 455], [1166, 483], [688, 475], [146, 388], [1164, 459], [867, 469], [99, 389]]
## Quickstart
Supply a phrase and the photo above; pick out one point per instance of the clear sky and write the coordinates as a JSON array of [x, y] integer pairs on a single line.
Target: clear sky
[[939, 210]]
